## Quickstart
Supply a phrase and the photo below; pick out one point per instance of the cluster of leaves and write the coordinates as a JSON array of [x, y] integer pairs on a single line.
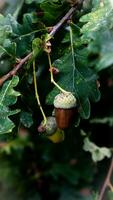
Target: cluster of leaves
[[79, 50], [75, 75]]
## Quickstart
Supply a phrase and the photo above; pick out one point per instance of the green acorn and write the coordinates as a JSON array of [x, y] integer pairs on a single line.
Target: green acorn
[[57, 137], [51, 131], [65, 107]]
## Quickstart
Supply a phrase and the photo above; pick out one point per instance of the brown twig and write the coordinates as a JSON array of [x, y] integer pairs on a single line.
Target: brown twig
[[51, 34], [107, 181], [65, 18], [15, 69], [62, 21]]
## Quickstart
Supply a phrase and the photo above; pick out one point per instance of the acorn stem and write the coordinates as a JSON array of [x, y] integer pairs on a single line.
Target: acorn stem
[[37, 95], [52, 78]]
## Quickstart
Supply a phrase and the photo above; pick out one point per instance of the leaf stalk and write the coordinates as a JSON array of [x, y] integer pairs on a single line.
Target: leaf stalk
[[37, 95]]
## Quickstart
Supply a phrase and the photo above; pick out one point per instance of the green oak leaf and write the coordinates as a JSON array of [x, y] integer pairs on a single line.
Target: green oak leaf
[[8, 97], [102, 47], [52, 10], [13, 34], [78, 79], [99, 19], [97, 33], [6, 46], [6, 125]]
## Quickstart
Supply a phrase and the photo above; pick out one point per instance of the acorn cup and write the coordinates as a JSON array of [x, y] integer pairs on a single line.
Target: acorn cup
[[65, 108], [51, 131]]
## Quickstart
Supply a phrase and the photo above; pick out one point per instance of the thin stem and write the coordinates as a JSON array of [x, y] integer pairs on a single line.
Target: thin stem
[[27, 34], [107, 181], [75, 25], [37, 95], [52, 78], [110, 186], [5, 51], [73, 56]]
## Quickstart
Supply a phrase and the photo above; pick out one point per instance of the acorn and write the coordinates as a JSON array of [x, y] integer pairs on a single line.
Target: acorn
[[51, 131], [65, 108], [57, 137]]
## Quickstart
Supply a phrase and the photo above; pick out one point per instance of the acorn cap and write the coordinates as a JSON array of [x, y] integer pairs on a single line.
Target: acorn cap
[[49, 128], [65, 101], [51, 125]]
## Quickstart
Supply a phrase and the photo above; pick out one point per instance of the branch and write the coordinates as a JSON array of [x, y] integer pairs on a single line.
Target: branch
[[107, 181], [65, 18], [51, 34], [62, 21], [15, 69]]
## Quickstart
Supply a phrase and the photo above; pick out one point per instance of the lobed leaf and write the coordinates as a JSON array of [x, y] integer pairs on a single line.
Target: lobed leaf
[[8, 97], [100, 19], [98, 153]]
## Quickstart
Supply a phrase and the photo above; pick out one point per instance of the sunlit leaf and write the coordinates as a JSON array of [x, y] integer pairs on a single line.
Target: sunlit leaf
[[97, 153], [100, 19]]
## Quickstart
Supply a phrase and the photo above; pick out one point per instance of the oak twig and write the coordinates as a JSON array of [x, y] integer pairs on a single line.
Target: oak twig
[[51, 34], [62, 21], [65, 18], [107, 181], [15, 69]]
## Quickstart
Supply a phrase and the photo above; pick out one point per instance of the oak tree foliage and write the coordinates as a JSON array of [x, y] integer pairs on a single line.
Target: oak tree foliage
[[81, 51]]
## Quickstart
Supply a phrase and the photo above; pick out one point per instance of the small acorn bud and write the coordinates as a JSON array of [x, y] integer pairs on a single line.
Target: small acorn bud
[[54, 70], [65, 107]]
